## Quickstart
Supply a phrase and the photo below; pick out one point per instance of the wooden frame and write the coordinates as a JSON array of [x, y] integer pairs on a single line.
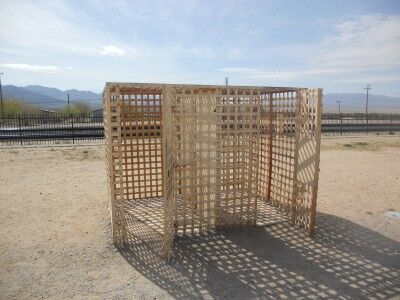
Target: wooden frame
[[215, 156]]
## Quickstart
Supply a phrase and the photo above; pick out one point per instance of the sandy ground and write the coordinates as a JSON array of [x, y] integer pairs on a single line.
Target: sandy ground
[[55, 238]]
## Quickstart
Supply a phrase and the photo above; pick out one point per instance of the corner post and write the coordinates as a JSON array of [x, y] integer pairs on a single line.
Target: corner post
[[298, 128], [270, 141], [317, 133]]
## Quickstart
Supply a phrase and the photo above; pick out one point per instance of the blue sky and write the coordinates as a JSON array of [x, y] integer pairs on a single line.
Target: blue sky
[[337, 45]]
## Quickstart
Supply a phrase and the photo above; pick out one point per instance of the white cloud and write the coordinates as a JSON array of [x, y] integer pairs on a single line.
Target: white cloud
[[65, 31], [180, 51], [288, 74], [34, 68], [365, 41], [373, 78], [261, 74], [34, 35], [112, 51], [359, 47]]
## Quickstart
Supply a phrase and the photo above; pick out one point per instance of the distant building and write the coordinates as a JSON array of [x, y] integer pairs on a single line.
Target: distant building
[[47, 112]]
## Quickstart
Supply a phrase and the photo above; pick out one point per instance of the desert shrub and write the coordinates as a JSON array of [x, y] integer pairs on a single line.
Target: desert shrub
[[77, 108], [16, 106]]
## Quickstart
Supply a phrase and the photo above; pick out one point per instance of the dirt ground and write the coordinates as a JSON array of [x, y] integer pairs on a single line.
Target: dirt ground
[[55, 238]]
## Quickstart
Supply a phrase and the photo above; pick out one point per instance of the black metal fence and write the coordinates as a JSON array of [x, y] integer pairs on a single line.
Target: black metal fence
[[51, 128], [357, 124], [57, 128]]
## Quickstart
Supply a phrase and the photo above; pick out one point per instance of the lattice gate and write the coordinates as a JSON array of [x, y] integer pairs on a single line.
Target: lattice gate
[[183, 159]]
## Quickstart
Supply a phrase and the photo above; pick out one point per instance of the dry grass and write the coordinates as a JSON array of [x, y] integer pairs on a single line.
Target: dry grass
[[362, 144], [79, 153]]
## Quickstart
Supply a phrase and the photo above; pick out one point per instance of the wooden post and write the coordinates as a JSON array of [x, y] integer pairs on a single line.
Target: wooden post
[[298, 131], [317, 133], [271, 132]]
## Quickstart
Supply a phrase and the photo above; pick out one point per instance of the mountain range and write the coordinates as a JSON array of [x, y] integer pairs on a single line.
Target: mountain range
[[47, 97], [355, 102]]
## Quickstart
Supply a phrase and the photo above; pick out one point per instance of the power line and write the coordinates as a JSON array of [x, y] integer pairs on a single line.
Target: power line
[[340, 116], [339, 101]]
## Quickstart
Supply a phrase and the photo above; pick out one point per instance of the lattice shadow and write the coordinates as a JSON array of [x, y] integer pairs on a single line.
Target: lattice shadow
[[149, 212], [344, 261]]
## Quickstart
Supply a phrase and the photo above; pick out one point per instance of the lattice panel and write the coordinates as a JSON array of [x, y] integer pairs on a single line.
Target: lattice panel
[[112, 128], [283, 149], [237, 151], [309, 140], [141, 145], [194, 135], [264, 147], [134, 143], [215, 155]]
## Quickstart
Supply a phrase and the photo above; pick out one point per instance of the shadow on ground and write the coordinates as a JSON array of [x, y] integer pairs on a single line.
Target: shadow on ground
[[344, 260]]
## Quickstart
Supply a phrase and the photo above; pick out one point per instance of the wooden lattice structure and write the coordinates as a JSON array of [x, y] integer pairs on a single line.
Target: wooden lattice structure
[[184, 159]]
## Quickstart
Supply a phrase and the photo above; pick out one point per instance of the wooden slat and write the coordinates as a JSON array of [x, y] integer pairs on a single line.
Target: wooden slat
[[212, 153], [317, 136]]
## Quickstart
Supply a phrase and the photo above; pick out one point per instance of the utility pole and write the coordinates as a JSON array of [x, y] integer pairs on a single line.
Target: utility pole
[[68, 101], [340, 116], [226, 81], [368, 87], [339, 101], [1, 96]]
